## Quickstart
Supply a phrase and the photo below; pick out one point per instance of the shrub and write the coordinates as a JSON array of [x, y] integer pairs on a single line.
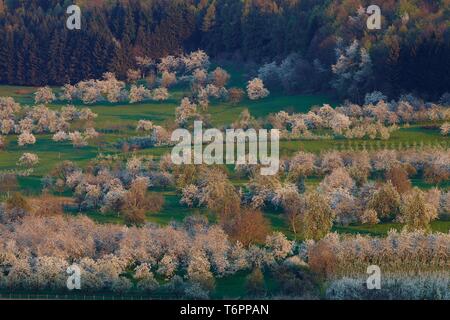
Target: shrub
[[28, 160], [254, 284]]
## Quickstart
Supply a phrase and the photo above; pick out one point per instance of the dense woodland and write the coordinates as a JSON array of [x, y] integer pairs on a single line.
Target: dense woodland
[[409, 54]]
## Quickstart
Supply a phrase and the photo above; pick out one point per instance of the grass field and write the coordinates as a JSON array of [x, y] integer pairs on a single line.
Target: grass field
[[117, 121]]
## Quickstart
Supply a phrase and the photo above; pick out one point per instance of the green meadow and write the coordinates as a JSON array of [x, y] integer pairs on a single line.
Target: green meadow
[[118, 121]]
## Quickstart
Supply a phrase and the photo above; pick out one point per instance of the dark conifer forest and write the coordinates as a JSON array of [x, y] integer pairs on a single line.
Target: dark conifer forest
[[411, 53]]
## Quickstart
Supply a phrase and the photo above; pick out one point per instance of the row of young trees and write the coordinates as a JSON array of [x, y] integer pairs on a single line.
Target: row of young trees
[[374, 120]]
